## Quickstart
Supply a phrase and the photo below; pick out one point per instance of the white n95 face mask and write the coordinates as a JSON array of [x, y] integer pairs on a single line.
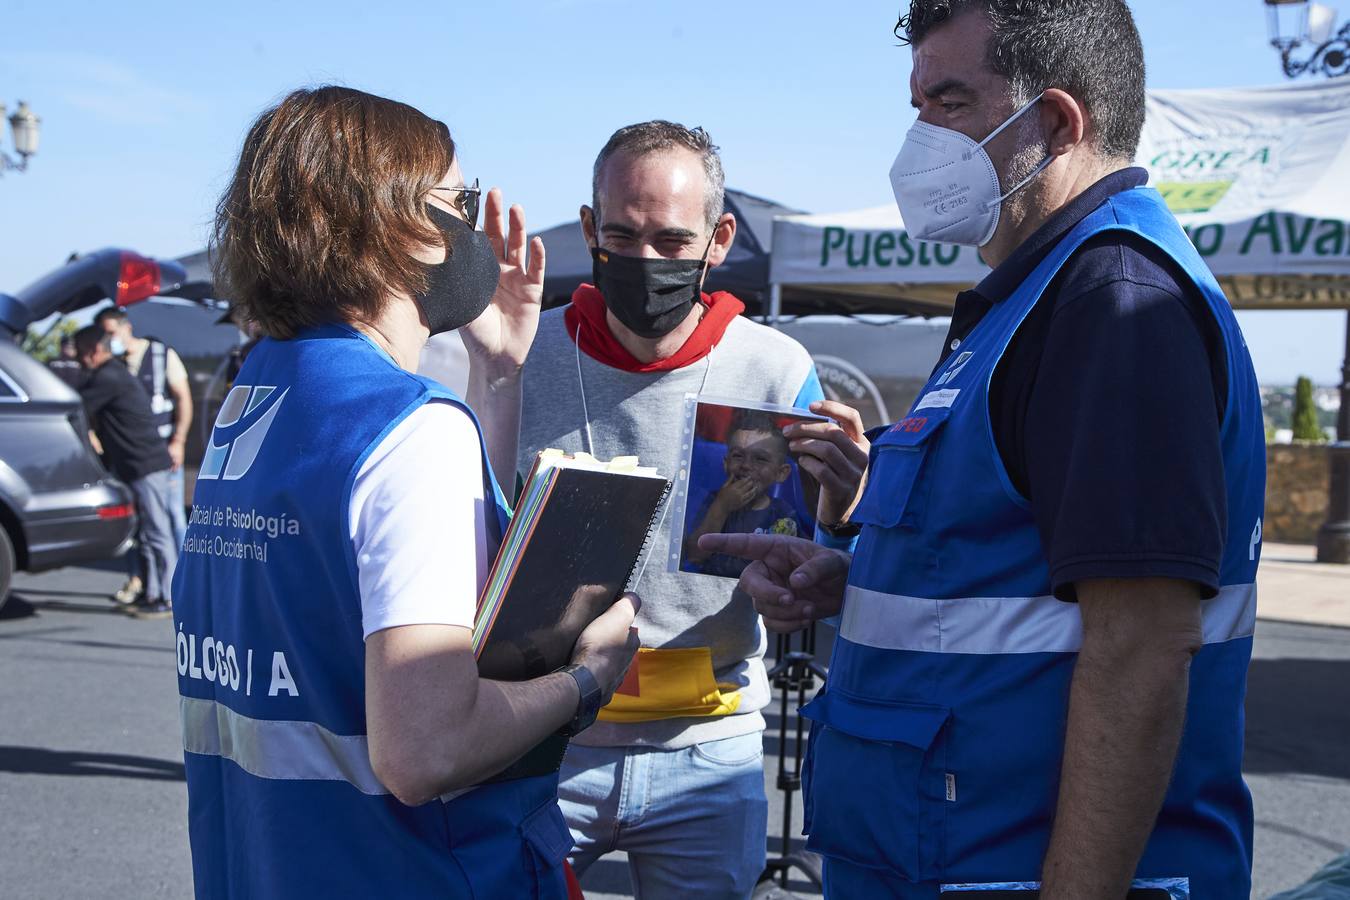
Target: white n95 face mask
[[946, 186]]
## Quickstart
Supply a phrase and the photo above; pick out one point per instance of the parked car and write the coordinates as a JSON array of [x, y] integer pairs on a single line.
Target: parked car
[[58, 505]]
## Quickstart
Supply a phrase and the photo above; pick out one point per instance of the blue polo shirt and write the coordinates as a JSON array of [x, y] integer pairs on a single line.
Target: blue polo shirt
[[1106, 406]]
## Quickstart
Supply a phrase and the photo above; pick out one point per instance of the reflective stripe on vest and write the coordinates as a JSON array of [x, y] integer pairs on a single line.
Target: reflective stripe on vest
[[1006, 624], [279, 749], [272, 749], [153, 375]]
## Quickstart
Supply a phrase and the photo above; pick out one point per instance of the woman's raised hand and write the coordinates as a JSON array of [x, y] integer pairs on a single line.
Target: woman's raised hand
[[502, 335]]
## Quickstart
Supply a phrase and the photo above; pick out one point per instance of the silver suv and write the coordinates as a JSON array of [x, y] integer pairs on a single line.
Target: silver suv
[[58, 505]]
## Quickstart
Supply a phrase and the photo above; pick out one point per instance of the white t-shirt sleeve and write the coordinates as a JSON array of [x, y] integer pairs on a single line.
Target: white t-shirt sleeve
[[418, 523]]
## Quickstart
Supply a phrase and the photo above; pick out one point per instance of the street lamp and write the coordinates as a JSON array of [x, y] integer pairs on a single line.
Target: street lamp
[[1296, 22], [23, 126], [1293, 23]]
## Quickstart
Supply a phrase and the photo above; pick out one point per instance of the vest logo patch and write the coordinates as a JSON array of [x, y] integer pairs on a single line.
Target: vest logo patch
[[955, 368], [243, 422]]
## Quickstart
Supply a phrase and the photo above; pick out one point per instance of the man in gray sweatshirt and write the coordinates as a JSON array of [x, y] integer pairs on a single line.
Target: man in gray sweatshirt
[[672, 772]]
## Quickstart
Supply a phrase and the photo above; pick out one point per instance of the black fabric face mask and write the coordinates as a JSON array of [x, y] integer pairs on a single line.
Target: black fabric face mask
[[651, 297], [461, 287]]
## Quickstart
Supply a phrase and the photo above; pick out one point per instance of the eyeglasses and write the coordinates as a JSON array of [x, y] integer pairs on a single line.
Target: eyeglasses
[[466, 201]]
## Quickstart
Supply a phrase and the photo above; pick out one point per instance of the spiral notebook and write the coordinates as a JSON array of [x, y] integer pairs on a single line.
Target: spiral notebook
[[577, 540]]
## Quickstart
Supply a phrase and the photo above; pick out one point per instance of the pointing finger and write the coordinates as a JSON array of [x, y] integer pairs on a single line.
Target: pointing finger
[[746, 546]]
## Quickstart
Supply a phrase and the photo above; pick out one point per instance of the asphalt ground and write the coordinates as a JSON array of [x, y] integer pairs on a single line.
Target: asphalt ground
[[92, 802]]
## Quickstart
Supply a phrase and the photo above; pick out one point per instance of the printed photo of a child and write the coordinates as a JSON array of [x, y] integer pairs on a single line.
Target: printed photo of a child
[[742, 479]]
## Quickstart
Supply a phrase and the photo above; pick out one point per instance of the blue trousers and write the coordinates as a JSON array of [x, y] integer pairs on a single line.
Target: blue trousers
[[693, 821]]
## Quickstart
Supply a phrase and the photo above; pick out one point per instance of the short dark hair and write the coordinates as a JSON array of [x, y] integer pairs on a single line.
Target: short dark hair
[[1089, 48], [326, 207], [111, 311], [654, 137], [89, 337], [760, 422]]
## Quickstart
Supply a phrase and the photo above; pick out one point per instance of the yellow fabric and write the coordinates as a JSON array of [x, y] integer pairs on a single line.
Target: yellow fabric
[[673, 684]]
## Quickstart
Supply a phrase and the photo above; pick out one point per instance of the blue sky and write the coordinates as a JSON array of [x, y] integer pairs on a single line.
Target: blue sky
[[144, 105]]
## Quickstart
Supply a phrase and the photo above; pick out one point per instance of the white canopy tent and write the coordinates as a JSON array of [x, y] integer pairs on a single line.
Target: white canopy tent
[[1260, 178]]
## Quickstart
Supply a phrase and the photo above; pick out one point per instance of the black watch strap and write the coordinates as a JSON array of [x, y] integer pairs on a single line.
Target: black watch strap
[[842, 530], [588, 706]]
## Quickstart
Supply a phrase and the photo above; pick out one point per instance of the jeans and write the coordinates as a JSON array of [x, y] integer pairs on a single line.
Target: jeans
[[177, 521], [154, 533], [177, 507], [693, 821]]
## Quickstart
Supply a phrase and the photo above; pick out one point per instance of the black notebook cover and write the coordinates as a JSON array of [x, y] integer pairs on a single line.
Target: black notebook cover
[[589, 537]]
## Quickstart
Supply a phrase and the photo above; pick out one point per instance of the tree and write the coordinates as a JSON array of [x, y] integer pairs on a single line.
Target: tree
[[46, 346], [1305, 414]]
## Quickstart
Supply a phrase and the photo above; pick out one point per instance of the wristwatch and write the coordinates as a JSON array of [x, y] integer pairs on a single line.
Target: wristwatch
[[843, 530], [588, 707]]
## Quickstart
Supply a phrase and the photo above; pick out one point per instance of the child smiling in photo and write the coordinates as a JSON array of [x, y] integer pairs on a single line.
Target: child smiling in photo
[[756, 460]]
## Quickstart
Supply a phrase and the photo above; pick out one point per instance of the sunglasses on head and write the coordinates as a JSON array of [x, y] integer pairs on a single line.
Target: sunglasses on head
[[466, 200]]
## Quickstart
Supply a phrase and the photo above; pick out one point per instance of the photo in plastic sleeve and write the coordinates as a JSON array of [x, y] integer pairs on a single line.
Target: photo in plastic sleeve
[[738, 476]]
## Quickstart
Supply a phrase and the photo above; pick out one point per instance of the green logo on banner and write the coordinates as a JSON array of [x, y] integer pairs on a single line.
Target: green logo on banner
[[1195, 175], [1192, 196]]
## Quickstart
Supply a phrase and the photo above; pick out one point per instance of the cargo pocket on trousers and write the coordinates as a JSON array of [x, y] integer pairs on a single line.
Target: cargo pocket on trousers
[[889, 498], [547, 841], [876, 791]]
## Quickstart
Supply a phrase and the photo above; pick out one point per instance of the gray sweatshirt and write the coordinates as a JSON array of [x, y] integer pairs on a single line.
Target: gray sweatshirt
[[642, 414]]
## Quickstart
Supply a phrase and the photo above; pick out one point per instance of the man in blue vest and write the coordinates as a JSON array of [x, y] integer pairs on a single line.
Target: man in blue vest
[[1046, 621]]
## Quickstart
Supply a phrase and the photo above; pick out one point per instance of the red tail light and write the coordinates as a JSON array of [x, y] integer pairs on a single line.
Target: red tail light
[[121, 511], [138, 279]]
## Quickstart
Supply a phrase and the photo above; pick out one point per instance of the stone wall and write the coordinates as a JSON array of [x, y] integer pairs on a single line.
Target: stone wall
[[1297, 477]]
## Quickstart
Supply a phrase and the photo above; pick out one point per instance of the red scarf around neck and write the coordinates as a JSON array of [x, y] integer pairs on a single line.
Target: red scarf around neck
[[596, 341]]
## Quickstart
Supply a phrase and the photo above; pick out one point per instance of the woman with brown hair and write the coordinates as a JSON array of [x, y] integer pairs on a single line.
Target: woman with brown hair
[[337, 737]]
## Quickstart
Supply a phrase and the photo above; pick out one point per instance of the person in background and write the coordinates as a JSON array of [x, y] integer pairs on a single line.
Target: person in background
[[234, 360], [348, 747], [120, 416], [1045, 628], [161, 372], [164, 378], [67, 366], [673, 771]]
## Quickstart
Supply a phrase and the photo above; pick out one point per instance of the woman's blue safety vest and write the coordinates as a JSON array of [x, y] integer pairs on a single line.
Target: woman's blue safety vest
[[938, 740], [282, 799]]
